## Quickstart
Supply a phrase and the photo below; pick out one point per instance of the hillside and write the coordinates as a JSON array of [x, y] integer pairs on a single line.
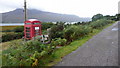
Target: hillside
[[17, 16]]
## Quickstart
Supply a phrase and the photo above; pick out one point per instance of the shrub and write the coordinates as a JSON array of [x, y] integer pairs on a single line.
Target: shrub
[[26, 54], [85, 30], [11, 36], [19, 29], [100, 23], [63, 42], [97, 17], [17, 55], [45, 25], [74, 32], [56, 31], [8, 30], [58, 42], [68, 32]]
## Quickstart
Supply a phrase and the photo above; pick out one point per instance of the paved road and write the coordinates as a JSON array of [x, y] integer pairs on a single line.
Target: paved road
[[101, 50]]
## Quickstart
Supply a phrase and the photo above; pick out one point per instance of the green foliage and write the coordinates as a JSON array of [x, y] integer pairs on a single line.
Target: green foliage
[[7, 31], [118, 17], [97, 17], [17, 55], [114, 18], [19, 29], [45, 25], [100, 23], [107, 17], [17, 34], [68, 32], [86, 30], [74, 32], [26, 54], [58, 42], [56, 31], [31, 53], [11, 36]]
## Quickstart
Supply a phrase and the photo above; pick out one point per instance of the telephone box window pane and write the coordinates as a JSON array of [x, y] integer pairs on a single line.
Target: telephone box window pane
[[37, 33], [27, 30], [28, 36], [36, 28], [27, 33], [28, 23], [36, 23], [27, 27]]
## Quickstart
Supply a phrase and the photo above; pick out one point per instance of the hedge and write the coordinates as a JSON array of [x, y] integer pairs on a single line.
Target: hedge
[[11, 36]]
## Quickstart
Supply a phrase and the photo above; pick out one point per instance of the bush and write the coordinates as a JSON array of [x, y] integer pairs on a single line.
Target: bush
[[56, 31], [97, 17], [19, 29], [8, 30], [85, 30], [11, 36], [100, 23], [58, 42], [26, 54], [74, 32], [45, 25], [17, 54], [68, 32]]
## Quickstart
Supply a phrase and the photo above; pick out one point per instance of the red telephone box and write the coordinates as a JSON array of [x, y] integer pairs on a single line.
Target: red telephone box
[[32, 28]]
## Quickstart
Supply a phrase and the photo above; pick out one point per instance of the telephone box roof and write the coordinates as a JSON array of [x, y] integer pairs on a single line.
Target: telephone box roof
[[32, 21]]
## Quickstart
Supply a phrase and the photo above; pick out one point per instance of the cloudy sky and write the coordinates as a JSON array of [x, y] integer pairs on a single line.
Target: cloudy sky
[[82, 8]]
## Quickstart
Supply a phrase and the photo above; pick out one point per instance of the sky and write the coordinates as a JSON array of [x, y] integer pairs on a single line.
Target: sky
[[81, 8]]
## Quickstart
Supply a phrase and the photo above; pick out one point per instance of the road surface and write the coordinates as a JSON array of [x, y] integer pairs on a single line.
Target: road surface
[[101, 50]]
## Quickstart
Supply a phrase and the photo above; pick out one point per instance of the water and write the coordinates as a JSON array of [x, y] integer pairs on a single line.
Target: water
[[17, 24], [11, 24]]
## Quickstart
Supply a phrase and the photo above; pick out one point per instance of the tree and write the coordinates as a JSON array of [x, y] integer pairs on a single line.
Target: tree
[[97, 16], [46, 25], [56, 31], [108, 17], [118, 17]]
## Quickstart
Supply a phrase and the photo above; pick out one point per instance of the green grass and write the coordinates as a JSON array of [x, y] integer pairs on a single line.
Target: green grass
[[6, 45], [63, 51]]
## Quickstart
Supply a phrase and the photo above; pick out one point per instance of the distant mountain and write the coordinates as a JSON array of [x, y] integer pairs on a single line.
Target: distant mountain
[[17, 16]]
